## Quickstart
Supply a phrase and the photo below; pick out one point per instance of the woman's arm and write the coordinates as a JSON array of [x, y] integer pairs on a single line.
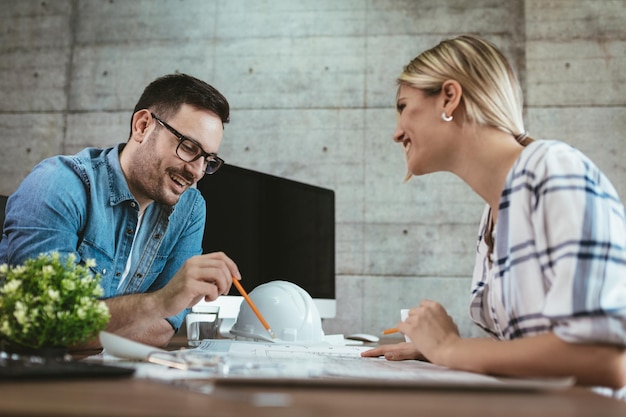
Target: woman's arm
[[538, 356], [435, 337]]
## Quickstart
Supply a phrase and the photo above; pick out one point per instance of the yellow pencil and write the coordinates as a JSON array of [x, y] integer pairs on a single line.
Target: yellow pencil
[[252, 306], [390, 331]]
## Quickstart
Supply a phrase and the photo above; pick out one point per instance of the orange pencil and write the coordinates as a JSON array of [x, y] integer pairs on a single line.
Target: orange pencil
[[252, 306], [390, 331]]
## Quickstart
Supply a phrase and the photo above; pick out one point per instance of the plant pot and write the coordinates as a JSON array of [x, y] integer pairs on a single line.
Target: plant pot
[[52, 353]]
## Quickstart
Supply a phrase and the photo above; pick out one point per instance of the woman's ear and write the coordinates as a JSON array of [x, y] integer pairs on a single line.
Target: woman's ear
[[451, 92]]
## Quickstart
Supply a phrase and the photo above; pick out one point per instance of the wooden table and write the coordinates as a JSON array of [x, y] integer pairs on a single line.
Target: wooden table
[[122, 397], [135, 397]]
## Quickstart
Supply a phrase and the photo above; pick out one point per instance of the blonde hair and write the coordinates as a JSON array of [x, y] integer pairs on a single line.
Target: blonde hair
[[491, 92]]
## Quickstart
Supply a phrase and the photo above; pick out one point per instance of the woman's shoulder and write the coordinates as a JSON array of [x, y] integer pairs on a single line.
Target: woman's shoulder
[[558, 165], [549, 148], [552, 157]]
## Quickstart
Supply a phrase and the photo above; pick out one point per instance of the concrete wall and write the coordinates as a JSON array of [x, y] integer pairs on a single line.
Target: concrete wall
[[311, 84]]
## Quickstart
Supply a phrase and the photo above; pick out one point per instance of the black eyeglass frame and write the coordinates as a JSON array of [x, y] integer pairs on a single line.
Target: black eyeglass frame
[[213, 162]]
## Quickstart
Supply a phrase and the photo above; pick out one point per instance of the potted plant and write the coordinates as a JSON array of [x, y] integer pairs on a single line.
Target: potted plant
[[50, 302]]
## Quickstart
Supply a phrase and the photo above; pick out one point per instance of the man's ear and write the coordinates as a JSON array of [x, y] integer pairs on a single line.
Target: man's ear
[[142, 124], [451, 92]]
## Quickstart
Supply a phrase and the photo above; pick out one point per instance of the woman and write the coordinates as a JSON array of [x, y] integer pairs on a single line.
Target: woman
[[549, 282]]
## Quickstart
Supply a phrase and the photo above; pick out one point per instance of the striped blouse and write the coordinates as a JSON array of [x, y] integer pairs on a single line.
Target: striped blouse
[[559, 261]]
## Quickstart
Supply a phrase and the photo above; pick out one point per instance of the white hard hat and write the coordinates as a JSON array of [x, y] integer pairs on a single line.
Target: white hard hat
[[288, 310]]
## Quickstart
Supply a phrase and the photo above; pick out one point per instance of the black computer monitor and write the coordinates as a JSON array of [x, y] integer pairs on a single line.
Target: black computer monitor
[[274, 229]]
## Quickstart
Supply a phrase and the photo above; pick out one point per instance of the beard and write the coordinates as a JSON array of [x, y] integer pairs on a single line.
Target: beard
[[149, 179]]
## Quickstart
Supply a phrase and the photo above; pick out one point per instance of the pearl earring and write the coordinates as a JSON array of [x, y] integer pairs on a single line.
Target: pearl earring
[[446, 118]]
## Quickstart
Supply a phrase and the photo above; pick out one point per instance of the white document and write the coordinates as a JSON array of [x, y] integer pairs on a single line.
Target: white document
[[227, 361], [278, 350], [267, 363]]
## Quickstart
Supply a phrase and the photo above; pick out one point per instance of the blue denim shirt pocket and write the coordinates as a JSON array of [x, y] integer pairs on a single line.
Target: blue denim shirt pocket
[[153, 275], [104, 267]]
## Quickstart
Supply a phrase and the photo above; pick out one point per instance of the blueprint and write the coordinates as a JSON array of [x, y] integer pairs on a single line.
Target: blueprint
[[267, 363]]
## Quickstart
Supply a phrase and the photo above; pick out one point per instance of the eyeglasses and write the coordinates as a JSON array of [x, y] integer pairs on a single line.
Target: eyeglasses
[[189, 150]]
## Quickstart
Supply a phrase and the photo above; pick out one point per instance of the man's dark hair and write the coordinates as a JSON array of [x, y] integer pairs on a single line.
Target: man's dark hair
[[165, 95]]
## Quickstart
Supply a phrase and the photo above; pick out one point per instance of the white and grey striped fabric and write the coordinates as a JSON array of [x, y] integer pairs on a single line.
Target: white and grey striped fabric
[[559, 262]]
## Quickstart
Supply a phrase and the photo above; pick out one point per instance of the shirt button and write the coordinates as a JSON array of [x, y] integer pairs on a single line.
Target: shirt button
[[129, 231], [104, 271], [132, 204], [157, 236]]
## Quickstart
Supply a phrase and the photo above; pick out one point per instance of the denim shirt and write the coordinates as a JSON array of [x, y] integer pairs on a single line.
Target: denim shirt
[[81, 204]]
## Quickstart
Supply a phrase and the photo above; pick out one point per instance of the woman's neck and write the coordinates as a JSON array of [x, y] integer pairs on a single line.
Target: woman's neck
[[487, 159]]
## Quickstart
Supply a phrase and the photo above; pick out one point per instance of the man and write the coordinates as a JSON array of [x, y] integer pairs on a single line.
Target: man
[[131, 208]]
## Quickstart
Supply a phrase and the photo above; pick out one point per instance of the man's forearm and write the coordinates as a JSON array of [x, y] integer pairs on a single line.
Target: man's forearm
[[135, 317], [138, 317]]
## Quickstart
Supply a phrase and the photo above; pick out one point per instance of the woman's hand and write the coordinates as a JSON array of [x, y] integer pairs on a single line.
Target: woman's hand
[[431, 330], [398, 352]]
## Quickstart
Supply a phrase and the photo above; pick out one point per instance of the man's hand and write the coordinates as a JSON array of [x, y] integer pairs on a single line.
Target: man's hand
[[204, 276], [141, 317]]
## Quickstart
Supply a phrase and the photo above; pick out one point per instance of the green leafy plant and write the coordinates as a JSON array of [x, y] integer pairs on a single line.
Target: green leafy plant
[[51, 301]]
